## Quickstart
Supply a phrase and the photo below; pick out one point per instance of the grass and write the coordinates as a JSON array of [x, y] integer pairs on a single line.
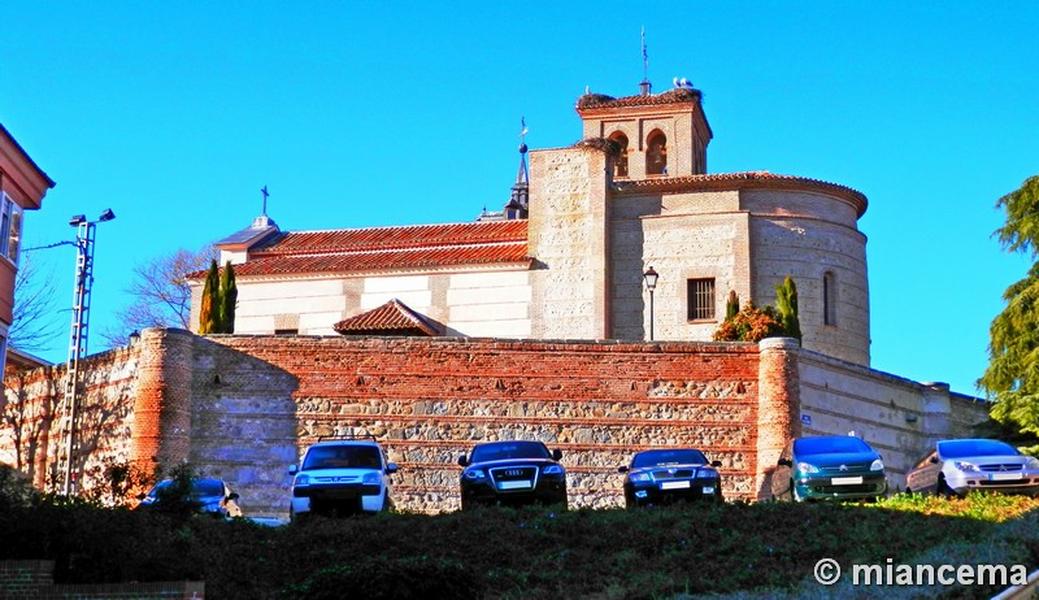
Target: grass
[[504, 553]]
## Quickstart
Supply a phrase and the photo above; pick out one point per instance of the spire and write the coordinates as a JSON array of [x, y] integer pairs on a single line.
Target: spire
[[518, 202], [645, 87]]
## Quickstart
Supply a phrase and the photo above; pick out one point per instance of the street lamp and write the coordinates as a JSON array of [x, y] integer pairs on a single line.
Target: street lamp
[[85, 231], [650, 276]]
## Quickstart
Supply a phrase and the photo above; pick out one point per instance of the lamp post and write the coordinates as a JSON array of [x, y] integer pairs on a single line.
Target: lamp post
[[85, 231], [650, 276]]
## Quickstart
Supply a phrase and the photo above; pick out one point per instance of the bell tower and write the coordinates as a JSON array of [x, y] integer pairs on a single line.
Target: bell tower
[[660, 135]]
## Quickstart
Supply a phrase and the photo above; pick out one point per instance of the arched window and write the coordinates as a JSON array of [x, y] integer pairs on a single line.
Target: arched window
[[829, 298], [620, 167], [656, 153]]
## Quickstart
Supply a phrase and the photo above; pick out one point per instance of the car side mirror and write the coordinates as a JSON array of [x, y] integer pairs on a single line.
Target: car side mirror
[[293, 469], [934, 460], [622, 469], [463, 461], [233, 496], [716, 463], [557, 454], [391, 468], [784, 462]]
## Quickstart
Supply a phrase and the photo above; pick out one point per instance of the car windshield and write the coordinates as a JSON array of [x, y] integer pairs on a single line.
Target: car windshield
[[829, 445], [506, 450], [668, 457], [964, 448], [342, 457], [200, 488]]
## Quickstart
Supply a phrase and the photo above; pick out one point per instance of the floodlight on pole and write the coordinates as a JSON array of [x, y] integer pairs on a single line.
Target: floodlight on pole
[[85, 231]]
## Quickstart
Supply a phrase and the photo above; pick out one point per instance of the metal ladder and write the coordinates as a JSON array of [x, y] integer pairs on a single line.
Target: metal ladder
[[77, 350]]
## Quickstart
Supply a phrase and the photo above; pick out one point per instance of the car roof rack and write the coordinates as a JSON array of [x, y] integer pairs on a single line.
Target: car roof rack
[[347, 436]]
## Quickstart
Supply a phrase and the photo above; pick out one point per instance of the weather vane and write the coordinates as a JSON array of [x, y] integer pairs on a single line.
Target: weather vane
[[645, 56], [523, 130], [265, 193]]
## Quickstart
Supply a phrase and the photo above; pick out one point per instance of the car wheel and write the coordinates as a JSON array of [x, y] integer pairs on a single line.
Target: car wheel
[[943, 489], [794, 496]]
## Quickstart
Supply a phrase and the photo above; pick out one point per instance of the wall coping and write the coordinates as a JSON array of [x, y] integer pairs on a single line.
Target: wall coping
[[461, 343]]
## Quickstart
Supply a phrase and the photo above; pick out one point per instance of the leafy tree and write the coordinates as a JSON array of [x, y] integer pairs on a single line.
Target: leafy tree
[[1012, 376], [228, 298], [209, 309], [751, 324], [732, 305], [786, 308]]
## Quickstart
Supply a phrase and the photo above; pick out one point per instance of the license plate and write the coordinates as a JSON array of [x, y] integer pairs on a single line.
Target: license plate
[[708, 489], [847, 480], [674, 485], [514, 485], [1006, 476]]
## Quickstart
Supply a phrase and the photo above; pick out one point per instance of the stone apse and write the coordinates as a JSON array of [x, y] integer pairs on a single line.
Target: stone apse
[[243, 408]]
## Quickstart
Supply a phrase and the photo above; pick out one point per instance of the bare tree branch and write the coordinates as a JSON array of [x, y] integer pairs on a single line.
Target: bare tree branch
[[161, 295], [34, 326]]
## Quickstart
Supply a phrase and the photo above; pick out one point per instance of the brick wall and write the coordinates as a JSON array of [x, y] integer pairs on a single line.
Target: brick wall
[[259, 401], [35, 579], [32, 417]]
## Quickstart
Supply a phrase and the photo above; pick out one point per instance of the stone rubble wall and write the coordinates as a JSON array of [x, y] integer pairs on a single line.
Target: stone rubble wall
[[258, 403]]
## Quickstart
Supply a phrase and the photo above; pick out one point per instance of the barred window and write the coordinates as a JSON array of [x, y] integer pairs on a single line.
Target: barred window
[[701, 299]]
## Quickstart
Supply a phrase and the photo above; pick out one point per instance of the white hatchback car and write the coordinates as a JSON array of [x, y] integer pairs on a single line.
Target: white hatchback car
[[341, 476]]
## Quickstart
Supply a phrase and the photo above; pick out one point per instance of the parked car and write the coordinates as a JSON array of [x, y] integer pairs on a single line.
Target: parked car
[[829, 468], [206, 496], [512, 473], [958, 466], [341, 476], [668, 475]]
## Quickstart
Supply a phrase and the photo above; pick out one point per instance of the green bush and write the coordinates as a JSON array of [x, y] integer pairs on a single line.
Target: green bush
[[375, 579]]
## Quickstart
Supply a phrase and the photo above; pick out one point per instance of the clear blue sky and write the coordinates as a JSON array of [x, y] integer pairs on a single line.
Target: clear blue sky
[[381, 113]]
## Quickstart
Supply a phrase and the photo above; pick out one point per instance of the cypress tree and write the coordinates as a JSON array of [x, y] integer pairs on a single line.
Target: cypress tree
[[228, 299], [732, 305], [786, 307], [209, 308]]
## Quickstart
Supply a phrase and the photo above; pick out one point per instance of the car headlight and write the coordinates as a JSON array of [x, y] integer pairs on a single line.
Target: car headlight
[[474, 474], [373, 478], [552, 470], [1032, 463], [640, 478], [966, 466], [302, 480], [707, 474], [148, 500], [878, 465], [807, 468]]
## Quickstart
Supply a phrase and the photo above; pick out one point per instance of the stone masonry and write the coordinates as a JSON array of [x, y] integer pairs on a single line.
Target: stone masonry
[[244, 408]]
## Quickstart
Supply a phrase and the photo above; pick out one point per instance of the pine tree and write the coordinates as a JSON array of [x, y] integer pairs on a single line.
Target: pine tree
[[209, 308], [786, 308], [732, 305], [1012, 376], [228, 298]]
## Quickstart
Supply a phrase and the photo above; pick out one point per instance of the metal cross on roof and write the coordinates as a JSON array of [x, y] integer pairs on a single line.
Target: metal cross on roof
[[265, 193], [523, 130]]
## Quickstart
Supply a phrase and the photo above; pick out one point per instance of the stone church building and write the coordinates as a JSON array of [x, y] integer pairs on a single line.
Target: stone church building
[[565, 258], [529, 323]]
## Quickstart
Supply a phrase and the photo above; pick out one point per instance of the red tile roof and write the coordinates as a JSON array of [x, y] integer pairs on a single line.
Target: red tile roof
[[743, 180], [392, 318], [674, 96], [395, 238], [381, 248]]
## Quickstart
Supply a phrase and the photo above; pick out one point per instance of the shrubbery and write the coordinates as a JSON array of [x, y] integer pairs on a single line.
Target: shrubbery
[[500, 553]]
